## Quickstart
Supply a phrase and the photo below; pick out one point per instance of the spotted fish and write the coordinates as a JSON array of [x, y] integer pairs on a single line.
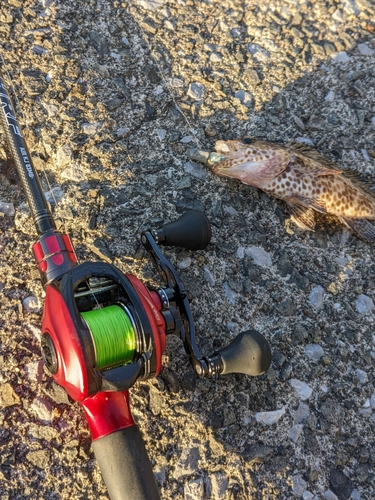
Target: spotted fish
[[303, 178]]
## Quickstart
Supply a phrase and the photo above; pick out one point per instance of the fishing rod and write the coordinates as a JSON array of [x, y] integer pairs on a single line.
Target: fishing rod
[[103, 330]]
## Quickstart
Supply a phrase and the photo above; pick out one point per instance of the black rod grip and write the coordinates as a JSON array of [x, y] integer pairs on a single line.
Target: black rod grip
[[20, 154], [125, 466]]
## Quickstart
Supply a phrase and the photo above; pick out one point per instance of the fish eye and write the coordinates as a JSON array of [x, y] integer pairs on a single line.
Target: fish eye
[[247, 140]]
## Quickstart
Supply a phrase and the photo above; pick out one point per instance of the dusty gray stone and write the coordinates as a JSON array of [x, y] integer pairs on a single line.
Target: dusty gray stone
[[187, 463], [302, 413], [364, 304], [259, 255], [257, 453], [196, 91], [269, 417], [340, 484], [194, 490], [217, 485]]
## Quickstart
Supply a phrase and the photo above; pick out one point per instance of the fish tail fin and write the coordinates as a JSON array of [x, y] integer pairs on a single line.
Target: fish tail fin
[[302, 216], [362, 227]]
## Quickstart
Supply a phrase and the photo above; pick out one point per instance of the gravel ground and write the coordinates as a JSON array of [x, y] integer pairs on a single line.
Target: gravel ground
[[119, 100]]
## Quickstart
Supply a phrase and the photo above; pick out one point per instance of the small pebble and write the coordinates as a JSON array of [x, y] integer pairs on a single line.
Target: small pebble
[[230, 210], [194, 490], [240, 252], [7, 208], [91, 128], [299, 122], [185, 263], [8, 396], [122, 131], [316, 296], [298, 485], [73, 172], [186, 139], [215, 57], [329, 495], [341, 57], [269, 417], [302, 389], [338, 16], [260, 54], [195, 170], [161, 133], [365, 155], [305, 140], [64, 155], [365, 50], [198, 155], [362, 376], [330, 97], [31, 304], [295, 432], [196, 91], [260, 256], [34, 371], [217, 485], [307, 495], [364, 304], [314, 351], [55, 195], [43, 409], [244, 97], [208, 275], [229, 293]]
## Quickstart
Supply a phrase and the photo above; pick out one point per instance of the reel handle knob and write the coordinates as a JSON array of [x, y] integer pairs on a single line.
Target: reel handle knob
[[248, 353], [191, 231]]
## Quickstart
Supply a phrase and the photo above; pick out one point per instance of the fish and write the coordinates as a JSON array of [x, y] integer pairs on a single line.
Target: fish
[[303, 178]]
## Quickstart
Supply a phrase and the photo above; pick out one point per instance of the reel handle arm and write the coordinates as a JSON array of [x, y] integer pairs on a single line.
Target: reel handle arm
[[249, 353]]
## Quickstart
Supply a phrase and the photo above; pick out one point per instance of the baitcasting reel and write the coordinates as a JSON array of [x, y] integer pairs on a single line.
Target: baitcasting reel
[[118, 327]]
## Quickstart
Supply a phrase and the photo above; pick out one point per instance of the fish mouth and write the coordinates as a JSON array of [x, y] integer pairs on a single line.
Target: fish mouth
[[214, 159]]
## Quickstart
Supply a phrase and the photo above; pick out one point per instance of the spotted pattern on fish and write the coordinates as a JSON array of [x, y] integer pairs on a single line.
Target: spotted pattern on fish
[[301, 177]]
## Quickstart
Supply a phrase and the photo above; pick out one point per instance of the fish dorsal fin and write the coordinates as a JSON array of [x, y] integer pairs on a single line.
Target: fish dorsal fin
[[365, 182], [303, 166], [313, 154]]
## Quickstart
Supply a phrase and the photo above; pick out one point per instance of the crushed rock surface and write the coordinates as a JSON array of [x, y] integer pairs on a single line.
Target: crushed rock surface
[[119, 101]]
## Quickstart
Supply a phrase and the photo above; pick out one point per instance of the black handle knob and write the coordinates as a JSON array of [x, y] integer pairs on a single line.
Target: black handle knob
[[191, 231], [248, 353]]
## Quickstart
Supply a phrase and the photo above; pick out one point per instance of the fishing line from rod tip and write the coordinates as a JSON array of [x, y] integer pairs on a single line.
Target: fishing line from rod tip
[[168, 86]]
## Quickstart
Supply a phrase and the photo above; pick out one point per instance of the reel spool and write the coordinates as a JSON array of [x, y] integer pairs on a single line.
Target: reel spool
[[114, 335]]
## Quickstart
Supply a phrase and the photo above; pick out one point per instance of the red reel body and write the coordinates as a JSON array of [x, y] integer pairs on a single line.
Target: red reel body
[[69, 353]]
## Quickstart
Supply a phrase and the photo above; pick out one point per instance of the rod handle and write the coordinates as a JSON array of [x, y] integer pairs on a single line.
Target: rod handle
[[125, 465]]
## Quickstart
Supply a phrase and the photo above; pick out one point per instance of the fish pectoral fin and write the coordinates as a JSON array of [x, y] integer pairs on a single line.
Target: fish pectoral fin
[[302, 216], [362, 227], [304, 201]]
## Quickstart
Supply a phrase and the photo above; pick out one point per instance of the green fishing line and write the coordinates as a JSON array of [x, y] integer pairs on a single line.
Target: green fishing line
[[113, 335]]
